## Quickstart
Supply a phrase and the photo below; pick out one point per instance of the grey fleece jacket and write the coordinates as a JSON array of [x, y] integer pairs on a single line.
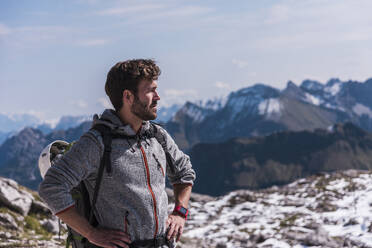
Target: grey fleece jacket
[[132, 198]]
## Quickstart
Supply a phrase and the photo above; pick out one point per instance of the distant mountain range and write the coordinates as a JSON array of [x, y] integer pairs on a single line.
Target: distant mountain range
[[261, 110], [12, 124], [19, 154], [245, 140], [239, 163], [167, 112]]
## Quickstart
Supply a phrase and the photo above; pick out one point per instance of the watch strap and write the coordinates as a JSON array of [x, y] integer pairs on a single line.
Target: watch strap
[[182, 211]]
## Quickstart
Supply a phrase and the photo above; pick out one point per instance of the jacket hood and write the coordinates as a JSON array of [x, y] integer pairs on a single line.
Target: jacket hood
[[110, 118]]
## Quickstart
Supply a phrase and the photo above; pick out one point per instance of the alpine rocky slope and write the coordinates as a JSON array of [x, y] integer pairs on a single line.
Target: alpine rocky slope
[[331, 210]]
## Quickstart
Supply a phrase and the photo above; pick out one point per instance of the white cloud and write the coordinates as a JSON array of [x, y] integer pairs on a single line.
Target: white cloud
[[173, 96], [93, 42], [130, 9], [240, 63], [222, 85], [38, 114], [4, 30], [105, 102], [79, 103], [28, 35], [179, 93], [150, 12], [87, 1], [278, 13], [186, 11]]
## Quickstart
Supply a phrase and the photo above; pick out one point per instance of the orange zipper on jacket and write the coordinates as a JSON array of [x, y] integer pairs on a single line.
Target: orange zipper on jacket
[[150, 189]]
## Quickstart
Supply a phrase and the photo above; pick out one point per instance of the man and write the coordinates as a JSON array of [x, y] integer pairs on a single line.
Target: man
[[132, 202]]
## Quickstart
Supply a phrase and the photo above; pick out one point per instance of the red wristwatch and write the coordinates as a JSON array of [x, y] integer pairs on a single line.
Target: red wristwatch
[[181, 211]]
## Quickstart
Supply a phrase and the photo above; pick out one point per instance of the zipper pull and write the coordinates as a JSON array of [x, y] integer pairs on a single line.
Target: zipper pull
[[126, 222], [126, 217], [159, 165], [139, 141]]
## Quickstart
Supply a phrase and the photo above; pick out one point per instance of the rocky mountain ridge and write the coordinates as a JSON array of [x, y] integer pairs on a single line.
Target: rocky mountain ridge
[[260, 110], [19, 154], [12, 124]]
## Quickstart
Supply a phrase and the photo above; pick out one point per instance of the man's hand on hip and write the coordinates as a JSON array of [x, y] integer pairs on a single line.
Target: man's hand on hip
[[109, 238], [175, 224]]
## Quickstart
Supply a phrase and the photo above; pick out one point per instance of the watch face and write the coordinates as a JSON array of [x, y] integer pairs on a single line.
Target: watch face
[[183, 211]]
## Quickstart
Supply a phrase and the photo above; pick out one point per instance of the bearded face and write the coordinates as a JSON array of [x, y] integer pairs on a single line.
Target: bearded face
[[145, 110]]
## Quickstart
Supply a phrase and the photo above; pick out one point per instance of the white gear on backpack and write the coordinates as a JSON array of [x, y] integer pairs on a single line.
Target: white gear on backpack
[[52, 151]]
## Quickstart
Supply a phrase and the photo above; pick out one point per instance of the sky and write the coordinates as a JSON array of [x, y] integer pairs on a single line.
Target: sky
[[55, 55]]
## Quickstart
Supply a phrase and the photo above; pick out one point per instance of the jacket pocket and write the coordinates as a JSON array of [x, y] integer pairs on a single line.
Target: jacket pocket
[[159, 165]]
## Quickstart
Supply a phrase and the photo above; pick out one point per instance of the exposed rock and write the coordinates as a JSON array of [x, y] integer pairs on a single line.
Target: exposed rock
[[351, 222], [320, 238], [51, 225], [13, 197], [5, 235], [221, 245], [8, 221], [40, 207], [351, 173]]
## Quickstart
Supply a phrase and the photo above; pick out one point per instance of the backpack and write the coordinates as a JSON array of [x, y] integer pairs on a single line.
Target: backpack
[[80, 193]]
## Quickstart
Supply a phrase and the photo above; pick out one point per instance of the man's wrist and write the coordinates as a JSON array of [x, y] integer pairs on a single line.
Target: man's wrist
[[181, 211], [90, 233]]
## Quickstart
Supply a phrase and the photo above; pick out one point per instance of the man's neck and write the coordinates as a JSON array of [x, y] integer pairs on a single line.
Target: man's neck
[[128, 117]]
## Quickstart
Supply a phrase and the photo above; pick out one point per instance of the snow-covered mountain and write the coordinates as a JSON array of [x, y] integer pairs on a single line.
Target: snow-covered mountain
[[15, 122], [328, 211], [261, 110], [166, 113], [11, 124], [66, 122], [4, 136]]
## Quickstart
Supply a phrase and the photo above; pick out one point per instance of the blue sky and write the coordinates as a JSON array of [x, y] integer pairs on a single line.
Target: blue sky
[[55, 55]]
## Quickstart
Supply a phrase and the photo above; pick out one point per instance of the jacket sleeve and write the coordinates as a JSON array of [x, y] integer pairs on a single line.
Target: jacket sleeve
[[179, 168], [66, 173]]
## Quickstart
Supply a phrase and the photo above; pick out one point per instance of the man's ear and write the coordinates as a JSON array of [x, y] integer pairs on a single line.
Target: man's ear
[[127, 96]]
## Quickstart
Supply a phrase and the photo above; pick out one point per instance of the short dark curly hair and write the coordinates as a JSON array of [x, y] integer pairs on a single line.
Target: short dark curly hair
[[126, 75]]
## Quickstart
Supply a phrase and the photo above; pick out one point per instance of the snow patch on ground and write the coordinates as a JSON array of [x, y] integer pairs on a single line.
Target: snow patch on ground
[[319, 211]]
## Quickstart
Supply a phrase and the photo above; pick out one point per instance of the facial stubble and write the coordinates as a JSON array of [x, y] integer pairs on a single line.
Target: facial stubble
[[141, 110]]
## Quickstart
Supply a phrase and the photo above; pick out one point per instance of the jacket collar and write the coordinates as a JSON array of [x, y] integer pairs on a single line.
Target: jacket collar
[[110, 118]]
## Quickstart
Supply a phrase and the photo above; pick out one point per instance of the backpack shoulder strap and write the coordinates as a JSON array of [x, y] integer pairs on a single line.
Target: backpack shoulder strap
[[158, 135], [161, 139], [105, 162]]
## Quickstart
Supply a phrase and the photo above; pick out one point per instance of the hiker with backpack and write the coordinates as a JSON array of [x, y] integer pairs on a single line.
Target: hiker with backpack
[[120, 165]]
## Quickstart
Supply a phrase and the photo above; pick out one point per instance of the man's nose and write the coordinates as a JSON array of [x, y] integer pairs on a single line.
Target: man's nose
[[157, 97]]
